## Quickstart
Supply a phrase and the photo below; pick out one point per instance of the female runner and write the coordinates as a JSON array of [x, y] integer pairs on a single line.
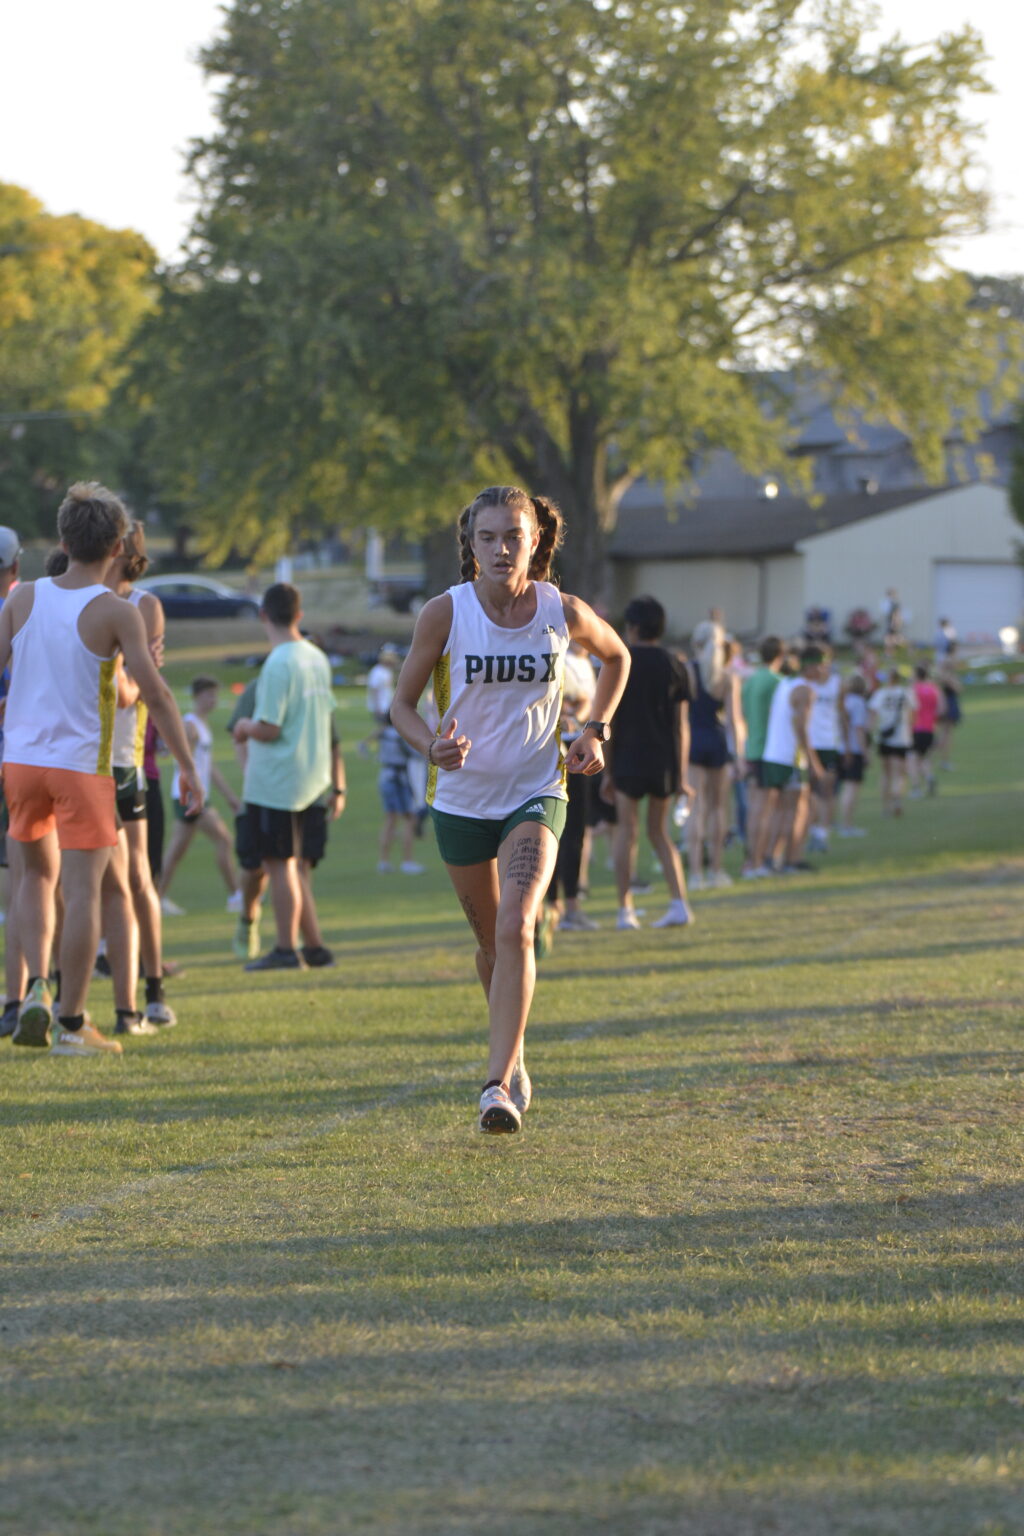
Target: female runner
[[495, 646]]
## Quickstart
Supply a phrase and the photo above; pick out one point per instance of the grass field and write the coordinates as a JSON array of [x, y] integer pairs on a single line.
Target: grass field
[[753, 1266]]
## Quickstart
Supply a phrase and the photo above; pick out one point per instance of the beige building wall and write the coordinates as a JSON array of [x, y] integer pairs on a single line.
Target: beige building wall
[[785, 600], [852, 567], [688, 588]]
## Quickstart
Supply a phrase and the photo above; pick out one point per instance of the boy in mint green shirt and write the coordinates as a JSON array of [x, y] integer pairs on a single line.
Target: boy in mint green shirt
[[289, 764]]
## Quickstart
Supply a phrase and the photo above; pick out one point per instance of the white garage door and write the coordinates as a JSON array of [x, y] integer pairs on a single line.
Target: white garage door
[[979, 598]]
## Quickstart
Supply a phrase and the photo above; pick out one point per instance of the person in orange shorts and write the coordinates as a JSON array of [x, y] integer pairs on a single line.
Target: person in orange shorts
[[63, 636]]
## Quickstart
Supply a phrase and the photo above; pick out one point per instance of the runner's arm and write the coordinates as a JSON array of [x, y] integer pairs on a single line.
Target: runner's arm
[[433, 626], [130, 632]]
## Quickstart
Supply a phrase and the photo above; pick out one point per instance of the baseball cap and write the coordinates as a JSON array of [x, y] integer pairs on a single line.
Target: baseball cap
[[10, 548]]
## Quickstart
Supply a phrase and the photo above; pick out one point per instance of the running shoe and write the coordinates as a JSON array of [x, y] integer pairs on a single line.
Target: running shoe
[[498, 1114], [520, 1088], [278, 960], [86, 1041], [384, 868], [677, 916], [246, 942], [695, 881], [410, 867], [160, 1014], [317, 955], [133, 1024], [717, 880], [577, 922], [170, 908], [627, 918], [33, 1026], [9, 1022], [234, 902]]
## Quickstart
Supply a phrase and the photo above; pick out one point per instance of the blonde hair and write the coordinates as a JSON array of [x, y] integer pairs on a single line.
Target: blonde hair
[[544, 514], [709, 653]]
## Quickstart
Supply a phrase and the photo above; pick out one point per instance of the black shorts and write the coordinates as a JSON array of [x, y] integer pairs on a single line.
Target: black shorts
[[923, 742], [636, 785], [885, 750], [709, 749], [130, 793], [851, 768], [263, 832], [828, 757]]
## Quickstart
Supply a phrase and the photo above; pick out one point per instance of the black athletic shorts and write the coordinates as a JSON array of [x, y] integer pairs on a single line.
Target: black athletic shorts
[[636, 785], [851, 768], [130, 793], [885, 750], [923, 742], [262, 832]]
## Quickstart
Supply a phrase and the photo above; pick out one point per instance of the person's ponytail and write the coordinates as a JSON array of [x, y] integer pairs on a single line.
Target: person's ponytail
[[551, 528]]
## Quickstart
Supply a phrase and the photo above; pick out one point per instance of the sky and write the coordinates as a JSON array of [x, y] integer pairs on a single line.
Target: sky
[[100, 99]]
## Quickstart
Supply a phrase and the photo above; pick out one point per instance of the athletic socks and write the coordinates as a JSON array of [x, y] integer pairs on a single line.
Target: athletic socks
[[73, 1022], [154, 989]]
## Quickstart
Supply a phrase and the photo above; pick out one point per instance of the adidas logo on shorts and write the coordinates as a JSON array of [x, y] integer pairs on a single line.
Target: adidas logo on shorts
[[535, 807]]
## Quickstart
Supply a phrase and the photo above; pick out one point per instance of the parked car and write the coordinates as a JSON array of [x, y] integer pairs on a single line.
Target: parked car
[[199, 597]]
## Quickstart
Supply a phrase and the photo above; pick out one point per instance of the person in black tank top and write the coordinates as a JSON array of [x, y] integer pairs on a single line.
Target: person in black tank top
[[649, 760]]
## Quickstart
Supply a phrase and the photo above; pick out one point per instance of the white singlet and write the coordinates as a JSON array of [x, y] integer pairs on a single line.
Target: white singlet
[[130, 722], [202, 756], [504, 687], [780, 744], [62, 700], [823, 725], [894, 708]]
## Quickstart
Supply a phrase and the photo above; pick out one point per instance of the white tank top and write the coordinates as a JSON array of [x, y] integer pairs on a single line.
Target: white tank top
[[823, 727], [202, 756], [504, 687], [130, 722], [61, 706], [780, 742]]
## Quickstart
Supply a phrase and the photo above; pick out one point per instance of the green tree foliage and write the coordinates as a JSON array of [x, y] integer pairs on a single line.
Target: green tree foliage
[[441, 244], [71, 294]]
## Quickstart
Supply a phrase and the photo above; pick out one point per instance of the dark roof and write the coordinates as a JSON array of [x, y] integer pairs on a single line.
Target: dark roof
[[740, 525]]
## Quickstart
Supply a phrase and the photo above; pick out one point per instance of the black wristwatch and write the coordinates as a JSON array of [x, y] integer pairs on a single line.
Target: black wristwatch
[[599, 729]]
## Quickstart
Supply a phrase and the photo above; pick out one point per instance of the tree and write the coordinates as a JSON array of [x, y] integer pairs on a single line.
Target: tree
[[71, 294], [441, 244]]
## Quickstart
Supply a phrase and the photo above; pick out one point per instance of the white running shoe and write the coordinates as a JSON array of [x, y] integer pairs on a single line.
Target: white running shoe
[[677, 916], [627, 918], [170, 908], [497, 1112], [408, 867], [577, 922], [384, 868], [234, 902], [160, 1013], [520, 1088], [695, 882], [718, 880]]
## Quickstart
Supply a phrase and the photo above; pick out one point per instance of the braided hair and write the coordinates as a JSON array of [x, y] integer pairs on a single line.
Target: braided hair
[[544, 513]]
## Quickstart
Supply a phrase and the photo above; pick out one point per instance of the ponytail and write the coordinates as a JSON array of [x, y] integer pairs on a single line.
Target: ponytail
[[552, 531], [468, 568]]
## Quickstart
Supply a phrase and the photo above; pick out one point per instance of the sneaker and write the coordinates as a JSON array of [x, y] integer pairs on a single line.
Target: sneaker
[[101, 968], [86, 1041], [497, 1111], [9, 1022], [817, 838], [717, 880], [234, 902], [246, 942], [853, 832], [695, 882], [578, 922], [278, 960], [677, 916], [160, 1014], [33, 1026], [520, 1088], [409, 867], [170, 908], [627, 918], [132, 1024], [317, 955], [384, 868]]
